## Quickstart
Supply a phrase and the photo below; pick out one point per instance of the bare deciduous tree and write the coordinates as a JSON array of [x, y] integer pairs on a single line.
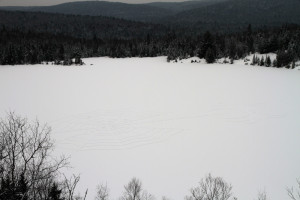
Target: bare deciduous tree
[[102, 192], [211, 188], [134, 191], [69, 187], [294, 195], [262, 195], [147, 196], [25, 150]]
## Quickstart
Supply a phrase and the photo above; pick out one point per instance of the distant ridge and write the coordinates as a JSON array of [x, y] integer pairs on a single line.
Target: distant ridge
[[237, 13], [201, 15], [148, 12], [138, 12]]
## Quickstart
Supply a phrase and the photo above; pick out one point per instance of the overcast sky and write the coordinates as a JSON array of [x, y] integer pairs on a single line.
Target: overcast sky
[[53, 2]]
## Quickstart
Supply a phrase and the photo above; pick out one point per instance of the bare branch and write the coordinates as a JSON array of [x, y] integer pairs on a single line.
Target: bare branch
[[294, 195], [102, 192], [134, 191], [211, 188]]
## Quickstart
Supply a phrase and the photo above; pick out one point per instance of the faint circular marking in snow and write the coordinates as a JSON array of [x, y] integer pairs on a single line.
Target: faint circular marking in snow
[[108, 130]]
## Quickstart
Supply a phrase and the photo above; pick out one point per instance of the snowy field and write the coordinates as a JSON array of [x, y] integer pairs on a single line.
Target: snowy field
[[168, 124]]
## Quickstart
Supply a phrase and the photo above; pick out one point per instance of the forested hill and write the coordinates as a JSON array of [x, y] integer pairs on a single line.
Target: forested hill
[[233, 14], [149, 12], [138, 12], [201, 15], [178, 7], [78, 26]]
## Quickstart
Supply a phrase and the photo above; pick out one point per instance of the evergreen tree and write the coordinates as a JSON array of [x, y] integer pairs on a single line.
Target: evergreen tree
[[8, 189], [61, 53], [275, 63], [262, 61], [293, 65], [22, 188], [232, 48], [207, 43], [250, 40], [210, 56], [77, 56], [254, 60], [284, 58], [55, 193], [268, 61], [257, 60]]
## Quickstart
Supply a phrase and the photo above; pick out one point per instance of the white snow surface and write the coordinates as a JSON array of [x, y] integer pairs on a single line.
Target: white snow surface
[[167, 124]]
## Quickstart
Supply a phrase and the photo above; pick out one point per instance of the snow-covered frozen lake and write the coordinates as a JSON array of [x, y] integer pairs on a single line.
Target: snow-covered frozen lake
[[167, 124]]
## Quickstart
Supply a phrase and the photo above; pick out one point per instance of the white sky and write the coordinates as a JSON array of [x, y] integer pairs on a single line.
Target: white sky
[[53, 2]]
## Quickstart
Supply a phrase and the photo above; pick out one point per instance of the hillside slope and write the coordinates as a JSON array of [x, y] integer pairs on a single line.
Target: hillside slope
[[149, 12], [201, 15], [78, 26], [236, 13], [138, 12]]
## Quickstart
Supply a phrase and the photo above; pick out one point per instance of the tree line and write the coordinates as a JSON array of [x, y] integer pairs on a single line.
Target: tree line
[[30, 47]]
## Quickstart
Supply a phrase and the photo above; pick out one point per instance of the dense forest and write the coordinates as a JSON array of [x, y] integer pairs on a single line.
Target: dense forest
[[22, 46], [234, 15], [77, 26]]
